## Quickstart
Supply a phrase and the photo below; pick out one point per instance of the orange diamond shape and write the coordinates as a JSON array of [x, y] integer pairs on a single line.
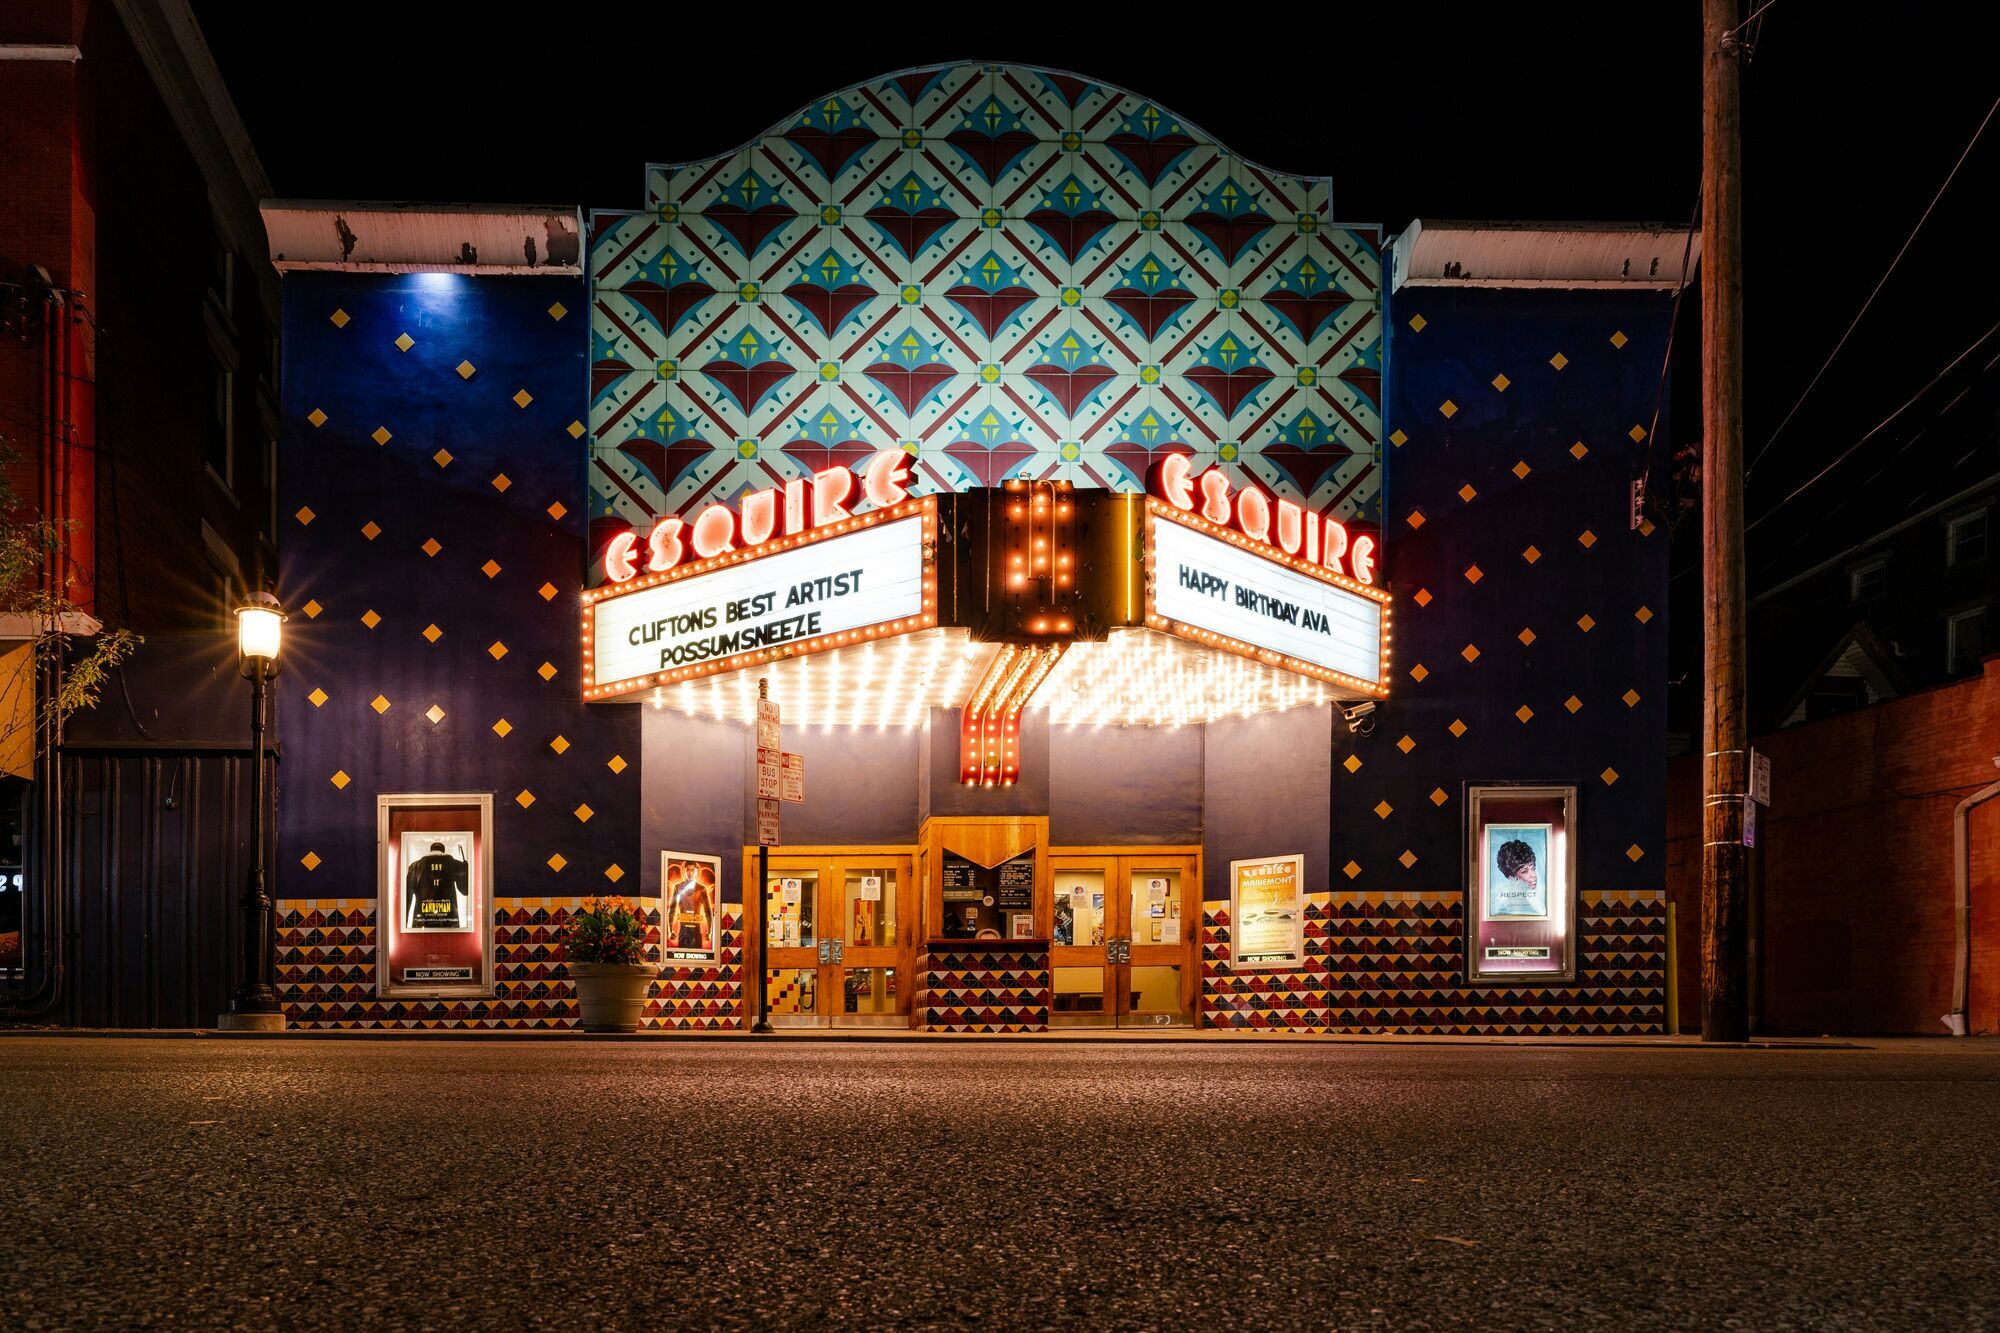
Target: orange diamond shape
[[312, 610], [1408, 858], [431, 547], [381, 435], [1439, 796], [318, 697], [1618, 339], [1501, 382], [575, 429], [614, 872], [616, 763], [1634, 852], [496, 650], [404, 342], [558, 310], [310, 861], [502, 727], [1350, 870], [1587, 539], [380, 704], [1524, 712], [1457, 728], [546, 670], [1383, 809], [1631, 698], [525, 799], [547, 590], [501, 482], [435, 714], [1466, 492], [1585, 623], [433, 633], [1423, 597], [465, 369], [1473, 573], [559, 744], [583, 814], [1609, 776], [1417, 323], [1572, 703], [340, 318], [1521, 469], [1406, 745], [442, 458], [557, 510], [1418, 672], [340, 779], [1578, 450], [1637, 433], [1398, 439], [1352, 763], [1643, 614], [370, 619], [1470, 652], [557, 862], [305, 516], [1416, 519], [1532, 554], [1526, 636], [1449, 408], [490, 568], [317, 417], [523, 398], [371, 530], [1558, 360]]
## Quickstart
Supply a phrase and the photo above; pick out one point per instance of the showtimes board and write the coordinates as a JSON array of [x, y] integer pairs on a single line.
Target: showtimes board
[[853, 583], [1229, 594]]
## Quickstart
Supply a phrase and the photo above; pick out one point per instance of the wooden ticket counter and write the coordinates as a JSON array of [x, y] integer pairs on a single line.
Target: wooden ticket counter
[[981, 926]]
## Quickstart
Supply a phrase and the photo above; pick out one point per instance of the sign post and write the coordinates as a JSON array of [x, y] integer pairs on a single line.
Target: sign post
[[767, 834]]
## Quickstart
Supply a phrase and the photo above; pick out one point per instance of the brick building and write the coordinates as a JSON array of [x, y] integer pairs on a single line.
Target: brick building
[[138, 390]]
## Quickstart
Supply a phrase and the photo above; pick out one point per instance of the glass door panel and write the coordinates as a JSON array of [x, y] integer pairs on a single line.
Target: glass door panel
[[1161, 909], [793, 993], [1084, 922], [872, 949]]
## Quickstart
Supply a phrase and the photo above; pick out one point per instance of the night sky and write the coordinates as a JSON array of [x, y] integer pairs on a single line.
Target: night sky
[[1853, 116]]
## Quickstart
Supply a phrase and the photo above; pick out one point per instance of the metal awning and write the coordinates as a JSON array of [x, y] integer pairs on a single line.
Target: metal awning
[[1557, 255], [423, 238]]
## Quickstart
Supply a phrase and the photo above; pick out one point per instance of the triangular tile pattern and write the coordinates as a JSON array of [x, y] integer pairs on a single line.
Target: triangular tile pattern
[[1398, 963], [326, 973], [1291, 1000], [987, 990]]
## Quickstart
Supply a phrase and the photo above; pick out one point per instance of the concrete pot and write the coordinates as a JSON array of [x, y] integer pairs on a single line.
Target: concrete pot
[[612, 996]]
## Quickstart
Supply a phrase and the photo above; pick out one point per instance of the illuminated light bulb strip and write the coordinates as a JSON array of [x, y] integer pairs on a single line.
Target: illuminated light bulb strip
[[1042, 662], [1374, 689], [1139, 677], [924, 507], [972, 727], [891, 683], [1263, 550]]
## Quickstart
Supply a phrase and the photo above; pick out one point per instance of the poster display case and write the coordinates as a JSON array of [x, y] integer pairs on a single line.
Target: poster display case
[[434, 895], [1520, 883], [1267, 912], [690, 907]]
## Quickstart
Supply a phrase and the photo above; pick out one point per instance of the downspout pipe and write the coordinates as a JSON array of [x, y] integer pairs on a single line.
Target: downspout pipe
[[1961, 883]]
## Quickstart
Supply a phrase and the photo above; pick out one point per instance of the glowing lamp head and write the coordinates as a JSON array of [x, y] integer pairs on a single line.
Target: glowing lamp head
[[260, 631]]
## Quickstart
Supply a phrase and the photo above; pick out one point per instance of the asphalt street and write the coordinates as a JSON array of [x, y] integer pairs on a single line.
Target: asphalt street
[[416, 1184]]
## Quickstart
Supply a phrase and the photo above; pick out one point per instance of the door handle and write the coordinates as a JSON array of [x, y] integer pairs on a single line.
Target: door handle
[[839, 950], [826, 951]]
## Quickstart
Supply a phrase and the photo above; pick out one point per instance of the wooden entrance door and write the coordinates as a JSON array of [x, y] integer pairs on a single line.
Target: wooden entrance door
[[841, 934], [1124, 950]]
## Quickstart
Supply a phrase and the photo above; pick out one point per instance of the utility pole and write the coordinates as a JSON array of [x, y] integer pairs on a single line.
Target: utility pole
[[1726, 766], [760, 978]]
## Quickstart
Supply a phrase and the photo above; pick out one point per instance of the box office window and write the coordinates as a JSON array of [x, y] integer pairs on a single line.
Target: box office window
[[434, 907], [1520, 883]]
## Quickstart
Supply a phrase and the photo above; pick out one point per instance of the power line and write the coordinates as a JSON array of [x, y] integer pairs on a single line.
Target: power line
[[1880, 282], [1849, 451]]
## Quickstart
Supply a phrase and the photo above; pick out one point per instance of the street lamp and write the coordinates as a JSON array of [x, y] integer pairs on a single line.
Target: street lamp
[[260, 632]]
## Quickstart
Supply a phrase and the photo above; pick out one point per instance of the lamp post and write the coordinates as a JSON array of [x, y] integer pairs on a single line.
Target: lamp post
[[260, 629]]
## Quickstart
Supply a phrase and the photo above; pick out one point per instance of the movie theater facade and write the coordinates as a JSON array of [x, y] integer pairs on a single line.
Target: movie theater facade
[[1106, 589]]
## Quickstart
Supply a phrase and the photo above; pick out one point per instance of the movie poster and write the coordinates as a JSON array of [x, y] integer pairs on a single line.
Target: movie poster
[[690, 901], [437, 881], [1516, 871], [1267, 912]]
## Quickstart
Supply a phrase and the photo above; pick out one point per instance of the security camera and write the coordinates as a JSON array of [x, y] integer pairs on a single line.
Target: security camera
[[1360, 718]]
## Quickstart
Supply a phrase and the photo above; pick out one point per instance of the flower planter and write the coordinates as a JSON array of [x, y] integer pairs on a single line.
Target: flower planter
[[612, 996]]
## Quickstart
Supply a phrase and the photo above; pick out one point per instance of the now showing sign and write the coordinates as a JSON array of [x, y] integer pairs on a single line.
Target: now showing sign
[[1292, 614], [852, 584]]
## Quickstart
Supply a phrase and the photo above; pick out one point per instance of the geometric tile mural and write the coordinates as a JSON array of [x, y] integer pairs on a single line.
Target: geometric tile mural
[[1007, 272], [985, 990]]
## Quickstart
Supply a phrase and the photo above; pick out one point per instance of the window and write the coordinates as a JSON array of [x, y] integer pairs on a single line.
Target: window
[[219, 448], [1965, 640], [1965, 538], [1868, 580], [222, 281], [271, 486]]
